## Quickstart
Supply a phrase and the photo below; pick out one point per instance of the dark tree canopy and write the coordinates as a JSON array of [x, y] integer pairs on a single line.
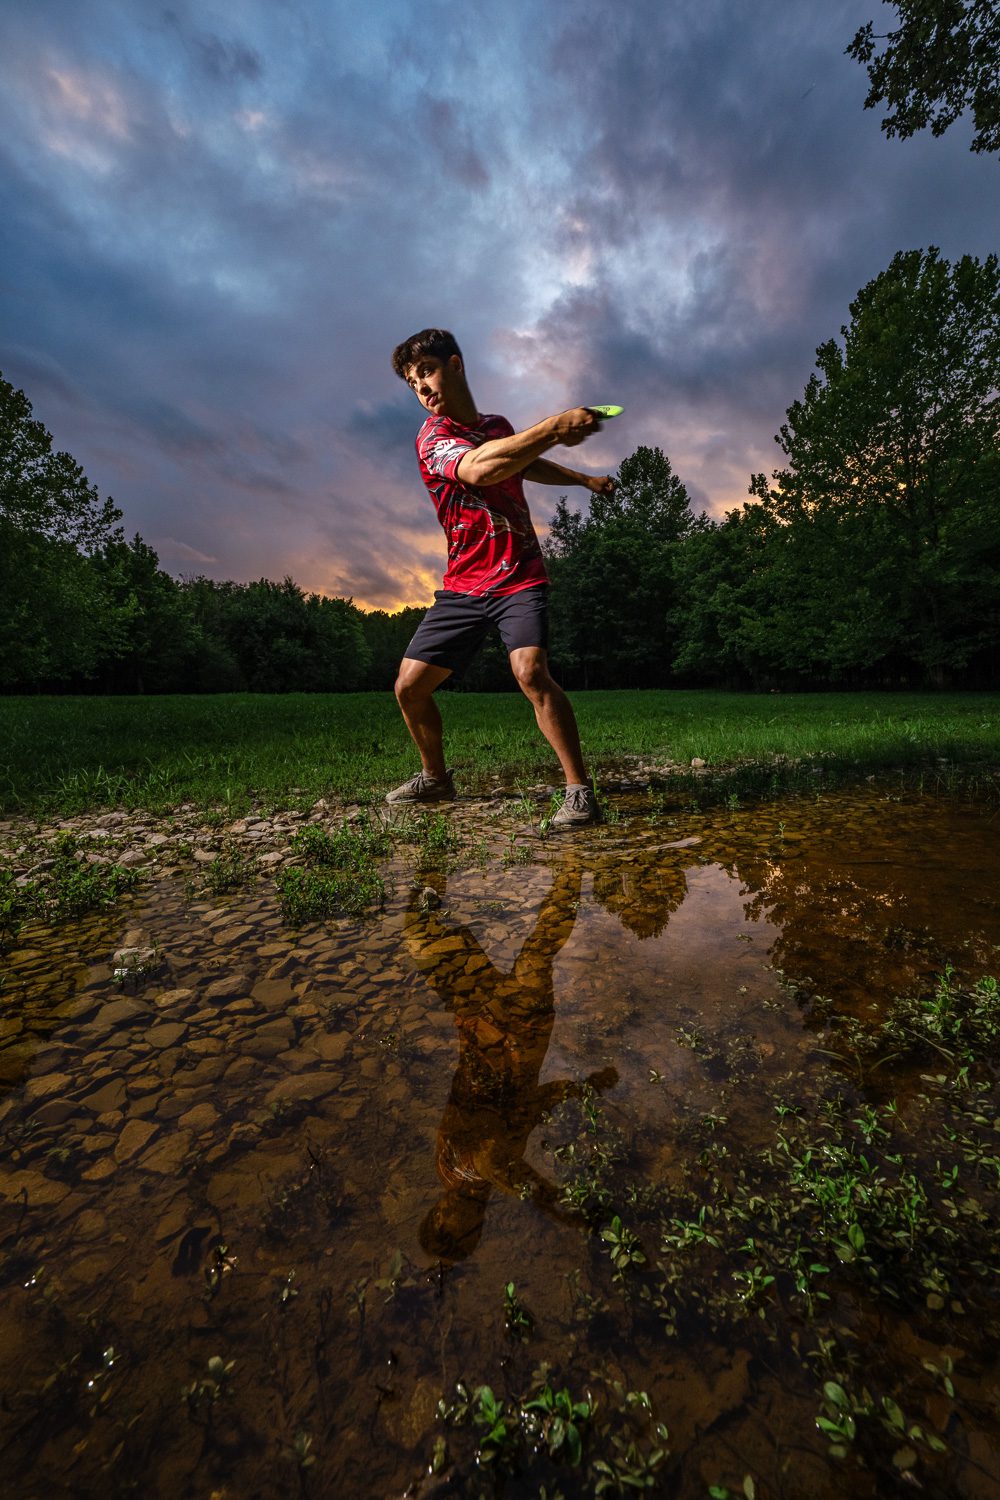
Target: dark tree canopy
[[890, 505], [942, 59]]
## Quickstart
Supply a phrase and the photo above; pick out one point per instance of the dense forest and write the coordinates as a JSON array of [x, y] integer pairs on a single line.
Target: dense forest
[[871, 558]]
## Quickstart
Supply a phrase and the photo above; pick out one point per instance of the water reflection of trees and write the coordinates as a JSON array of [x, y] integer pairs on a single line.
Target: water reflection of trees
[[504, 1021], [850, 926], [643, 895]]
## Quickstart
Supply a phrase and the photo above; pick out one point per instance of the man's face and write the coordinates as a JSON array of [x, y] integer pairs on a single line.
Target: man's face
[[436, 382]]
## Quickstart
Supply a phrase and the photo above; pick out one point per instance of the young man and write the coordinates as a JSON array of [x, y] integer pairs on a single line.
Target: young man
[[473, 466]]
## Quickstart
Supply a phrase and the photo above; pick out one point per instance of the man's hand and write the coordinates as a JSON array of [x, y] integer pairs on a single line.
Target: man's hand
[[601, 484], [576, 424]]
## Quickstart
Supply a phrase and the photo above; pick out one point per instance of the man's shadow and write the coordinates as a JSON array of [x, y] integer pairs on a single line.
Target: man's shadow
[[504, 1022]]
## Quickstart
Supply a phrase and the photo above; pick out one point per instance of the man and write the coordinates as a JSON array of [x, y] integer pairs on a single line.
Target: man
[[473, 467]]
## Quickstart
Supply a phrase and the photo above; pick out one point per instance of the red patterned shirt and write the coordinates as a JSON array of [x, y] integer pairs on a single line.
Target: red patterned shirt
[[492, 546]]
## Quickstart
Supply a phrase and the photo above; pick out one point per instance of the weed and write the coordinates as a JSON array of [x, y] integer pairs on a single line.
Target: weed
[[517, 1320], [70, 887], [353, 846], [623, 1247], [309, 896], [232, 869], [558, 1422], [202, 1395]]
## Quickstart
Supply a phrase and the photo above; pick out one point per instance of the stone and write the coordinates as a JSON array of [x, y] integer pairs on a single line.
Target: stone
[[33, 1188], [274, 994], [173, 998], [55, 1112], [201, 1117], [205, 1046], [166, 1034], [104, 1167], [168, 1155], [697, 764], [203, 856], [119, 1013], [135, 1135], [134, 958], [43, 1086], [89, 1225], [229, 986], [302, 1086], [330, 1045], [109, 1096], [296, 1059]]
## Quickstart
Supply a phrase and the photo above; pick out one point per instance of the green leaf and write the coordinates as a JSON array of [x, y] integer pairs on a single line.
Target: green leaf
[[894, 1413], [835, 1393]]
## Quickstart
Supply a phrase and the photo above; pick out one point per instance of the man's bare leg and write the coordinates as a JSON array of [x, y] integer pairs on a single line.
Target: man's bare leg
[[553, 710], [415, 686]]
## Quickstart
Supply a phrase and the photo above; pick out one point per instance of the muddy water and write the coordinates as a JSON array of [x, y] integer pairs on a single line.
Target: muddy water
[[320, 1155]]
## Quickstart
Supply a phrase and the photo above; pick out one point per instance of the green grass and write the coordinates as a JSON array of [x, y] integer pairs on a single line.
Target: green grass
[[233, 750]]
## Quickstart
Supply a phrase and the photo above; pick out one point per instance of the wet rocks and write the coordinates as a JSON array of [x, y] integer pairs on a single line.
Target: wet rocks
[[134, 1136]]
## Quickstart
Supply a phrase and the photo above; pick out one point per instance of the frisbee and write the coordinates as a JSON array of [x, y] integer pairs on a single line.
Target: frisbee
[[606, 411]]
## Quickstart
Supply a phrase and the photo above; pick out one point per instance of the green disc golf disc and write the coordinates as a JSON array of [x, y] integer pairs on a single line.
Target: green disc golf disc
[[606, 411]]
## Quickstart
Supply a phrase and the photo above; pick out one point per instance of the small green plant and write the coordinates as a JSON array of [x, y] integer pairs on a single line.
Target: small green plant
[[301, 1452], [353, 846], [202, 1395], [518, 1321], [71, 887], [496, 1429], [623, 1247], [310, 896], [559, 1422], [233, 869]]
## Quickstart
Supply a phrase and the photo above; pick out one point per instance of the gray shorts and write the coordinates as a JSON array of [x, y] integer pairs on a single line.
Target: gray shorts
[[455, 626]]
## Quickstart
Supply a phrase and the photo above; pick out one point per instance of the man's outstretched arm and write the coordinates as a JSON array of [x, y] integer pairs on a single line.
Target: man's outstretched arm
[[543, 471], [496, 460]]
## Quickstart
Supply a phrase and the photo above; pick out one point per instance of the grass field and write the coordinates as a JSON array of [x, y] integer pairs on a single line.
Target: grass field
[[69, 754]]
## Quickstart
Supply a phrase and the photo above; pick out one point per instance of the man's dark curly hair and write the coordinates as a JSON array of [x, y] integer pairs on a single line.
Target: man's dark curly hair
[[437, 342]]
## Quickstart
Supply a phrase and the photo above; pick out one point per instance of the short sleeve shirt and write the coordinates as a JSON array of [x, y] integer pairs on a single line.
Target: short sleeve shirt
[[492, 546]]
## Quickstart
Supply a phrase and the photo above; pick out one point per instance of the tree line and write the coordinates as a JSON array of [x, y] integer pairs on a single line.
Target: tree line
[[871, 558]]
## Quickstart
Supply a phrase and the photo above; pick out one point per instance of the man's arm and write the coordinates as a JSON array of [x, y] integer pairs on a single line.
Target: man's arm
[[543, 471], [499, 458]]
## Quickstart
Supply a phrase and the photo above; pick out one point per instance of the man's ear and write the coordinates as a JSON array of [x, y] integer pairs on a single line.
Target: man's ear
[[455, 360]]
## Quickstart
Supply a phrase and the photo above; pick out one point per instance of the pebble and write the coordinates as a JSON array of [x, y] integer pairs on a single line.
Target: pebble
[[135, 1134]]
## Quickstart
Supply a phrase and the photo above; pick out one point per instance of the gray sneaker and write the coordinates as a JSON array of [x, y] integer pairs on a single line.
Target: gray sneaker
[[580, 806], [424, 788]]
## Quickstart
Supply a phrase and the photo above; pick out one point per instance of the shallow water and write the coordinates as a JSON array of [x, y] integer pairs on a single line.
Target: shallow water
[[322, 1154]]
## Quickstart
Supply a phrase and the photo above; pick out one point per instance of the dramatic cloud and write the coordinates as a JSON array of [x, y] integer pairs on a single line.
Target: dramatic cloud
[[216, 224]]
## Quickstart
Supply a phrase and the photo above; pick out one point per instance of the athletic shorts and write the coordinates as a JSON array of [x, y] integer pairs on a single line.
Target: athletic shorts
[[455, 626]]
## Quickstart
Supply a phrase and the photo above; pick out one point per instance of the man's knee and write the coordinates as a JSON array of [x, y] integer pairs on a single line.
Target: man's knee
[[408, 691], [415, 684], [532, 675]]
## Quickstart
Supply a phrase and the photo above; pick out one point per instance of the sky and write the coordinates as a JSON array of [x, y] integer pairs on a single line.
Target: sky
[[216, 222]]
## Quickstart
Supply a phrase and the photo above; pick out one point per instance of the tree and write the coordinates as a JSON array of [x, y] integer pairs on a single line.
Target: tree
[[157, 645], [888, 511], [943, 59], [612, 619], [56, 620]]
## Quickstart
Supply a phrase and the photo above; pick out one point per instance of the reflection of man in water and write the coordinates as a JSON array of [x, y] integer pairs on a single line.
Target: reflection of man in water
[[504, 1023]]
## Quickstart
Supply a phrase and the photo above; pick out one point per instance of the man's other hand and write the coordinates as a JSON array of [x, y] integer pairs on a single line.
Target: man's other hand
[[601, 484]]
